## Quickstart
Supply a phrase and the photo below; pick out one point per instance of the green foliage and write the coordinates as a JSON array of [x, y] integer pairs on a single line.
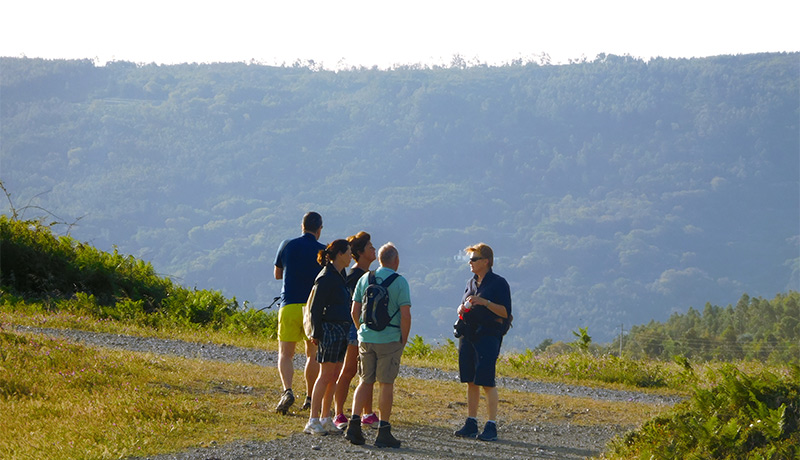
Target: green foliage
[[254, 322], [416, 347], [583, 339], [37, 264], [742, 417], [754, 329], [580, 365], [64, 275]]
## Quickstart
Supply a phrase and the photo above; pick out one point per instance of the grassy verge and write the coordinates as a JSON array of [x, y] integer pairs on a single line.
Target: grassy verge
[[37, 316], [61, 400]]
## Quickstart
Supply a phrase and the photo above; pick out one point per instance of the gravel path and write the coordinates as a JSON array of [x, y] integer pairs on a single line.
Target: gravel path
[[518, 440]]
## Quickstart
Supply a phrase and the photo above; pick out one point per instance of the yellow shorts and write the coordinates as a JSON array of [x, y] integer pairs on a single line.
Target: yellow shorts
[[290, 323]]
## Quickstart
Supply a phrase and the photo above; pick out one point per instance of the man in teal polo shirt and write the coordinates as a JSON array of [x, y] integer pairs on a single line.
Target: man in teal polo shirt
[[380, 351]]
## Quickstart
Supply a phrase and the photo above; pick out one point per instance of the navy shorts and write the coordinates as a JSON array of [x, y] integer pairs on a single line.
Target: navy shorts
[[477, 359], [352, 339], [333, 345]]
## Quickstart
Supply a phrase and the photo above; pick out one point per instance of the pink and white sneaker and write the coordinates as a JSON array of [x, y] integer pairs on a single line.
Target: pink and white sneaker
[[340, 421], [370, 420]]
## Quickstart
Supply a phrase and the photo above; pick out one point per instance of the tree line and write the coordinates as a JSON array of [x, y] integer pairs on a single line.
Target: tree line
[[754, 329]]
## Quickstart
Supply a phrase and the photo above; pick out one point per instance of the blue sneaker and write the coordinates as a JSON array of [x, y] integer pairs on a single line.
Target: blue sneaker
[[469, 430], [489, 432]]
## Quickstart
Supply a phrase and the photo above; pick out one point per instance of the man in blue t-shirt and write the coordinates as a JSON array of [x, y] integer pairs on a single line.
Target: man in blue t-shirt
[[296, 264]]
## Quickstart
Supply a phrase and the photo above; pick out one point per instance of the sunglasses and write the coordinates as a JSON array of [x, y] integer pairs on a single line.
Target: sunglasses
[[475, 259]]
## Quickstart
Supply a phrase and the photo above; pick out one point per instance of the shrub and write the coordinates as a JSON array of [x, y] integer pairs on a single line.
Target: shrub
[[741, 417], [416, 347]]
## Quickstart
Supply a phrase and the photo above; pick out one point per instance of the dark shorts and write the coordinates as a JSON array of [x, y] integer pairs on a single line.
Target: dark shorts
[[477, 359], [352, 339], [333, 345]]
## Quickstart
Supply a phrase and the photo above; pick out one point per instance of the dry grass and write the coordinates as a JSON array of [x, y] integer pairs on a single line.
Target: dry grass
[[61, 400]]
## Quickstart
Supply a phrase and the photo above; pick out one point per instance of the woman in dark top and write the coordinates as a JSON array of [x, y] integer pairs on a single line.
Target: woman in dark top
[[363, 254], [486, 310], [329, 307]]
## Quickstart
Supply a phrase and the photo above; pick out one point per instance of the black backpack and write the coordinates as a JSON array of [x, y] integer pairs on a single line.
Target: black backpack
[[375, 303]]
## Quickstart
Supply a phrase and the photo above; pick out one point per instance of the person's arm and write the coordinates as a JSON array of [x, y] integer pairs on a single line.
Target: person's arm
[[405, 323], [496, 308], [355, 312], [278, 273]]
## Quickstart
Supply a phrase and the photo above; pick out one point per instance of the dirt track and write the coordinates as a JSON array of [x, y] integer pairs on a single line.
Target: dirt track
[[540, 440]]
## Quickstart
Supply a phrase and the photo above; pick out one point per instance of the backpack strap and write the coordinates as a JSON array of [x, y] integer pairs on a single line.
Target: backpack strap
[[389, 280], [385, 283]]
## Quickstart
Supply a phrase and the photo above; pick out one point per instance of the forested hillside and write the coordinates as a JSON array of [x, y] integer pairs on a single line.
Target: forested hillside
[[614, 191], [755, 328]]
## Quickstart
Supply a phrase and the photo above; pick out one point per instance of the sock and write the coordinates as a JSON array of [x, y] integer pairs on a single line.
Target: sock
[[384, 423], [492, 422], [356, 417], [312, 419], [472, 418], [324, 420]]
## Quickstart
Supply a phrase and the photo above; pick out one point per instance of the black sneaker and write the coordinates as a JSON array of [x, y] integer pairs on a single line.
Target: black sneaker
[[489, 432], [307, 404], [286, 401], [469, 430], [354, 433]]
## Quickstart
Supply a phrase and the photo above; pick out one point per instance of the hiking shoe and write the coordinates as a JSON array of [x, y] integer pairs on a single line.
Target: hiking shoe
[[307, 404], [385, 438], [340, 421], [330, 427], [371, 420], [315, 427], [489, 432], [354, 433], [286, 401], [469, 430]]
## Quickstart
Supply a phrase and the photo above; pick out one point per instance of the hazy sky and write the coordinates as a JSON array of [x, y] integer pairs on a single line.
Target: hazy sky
[[384, 33]]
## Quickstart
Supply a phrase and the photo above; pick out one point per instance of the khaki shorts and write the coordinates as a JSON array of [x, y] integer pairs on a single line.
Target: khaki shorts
[[379, 361], [290, 323]]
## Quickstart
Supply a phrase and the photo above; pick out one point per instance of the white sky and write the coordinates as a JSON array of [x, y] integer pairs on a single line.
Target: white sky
[[383, 33]]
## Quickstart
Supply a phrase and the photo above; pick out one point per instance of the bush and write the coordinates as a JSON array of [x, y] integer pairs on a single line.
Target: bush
[[741, 417], [67, 275], [416, 347]]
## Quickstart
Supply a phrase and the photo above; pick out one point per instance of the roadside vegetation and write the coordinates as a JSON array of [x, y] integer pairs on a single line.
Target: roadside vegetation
[[62, 400]]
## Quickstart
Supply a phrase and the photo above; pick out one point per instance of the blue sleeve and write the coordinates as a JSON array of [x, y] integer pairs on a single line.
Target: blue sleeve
[[279, 255], [504, 295]]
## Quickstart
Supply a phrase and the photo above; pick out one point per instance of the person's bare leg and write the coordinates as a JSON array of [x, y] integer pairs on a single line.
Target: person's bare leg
[[473, 398], [285, 363], [349, 369], [385, 401], [311, 371]]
